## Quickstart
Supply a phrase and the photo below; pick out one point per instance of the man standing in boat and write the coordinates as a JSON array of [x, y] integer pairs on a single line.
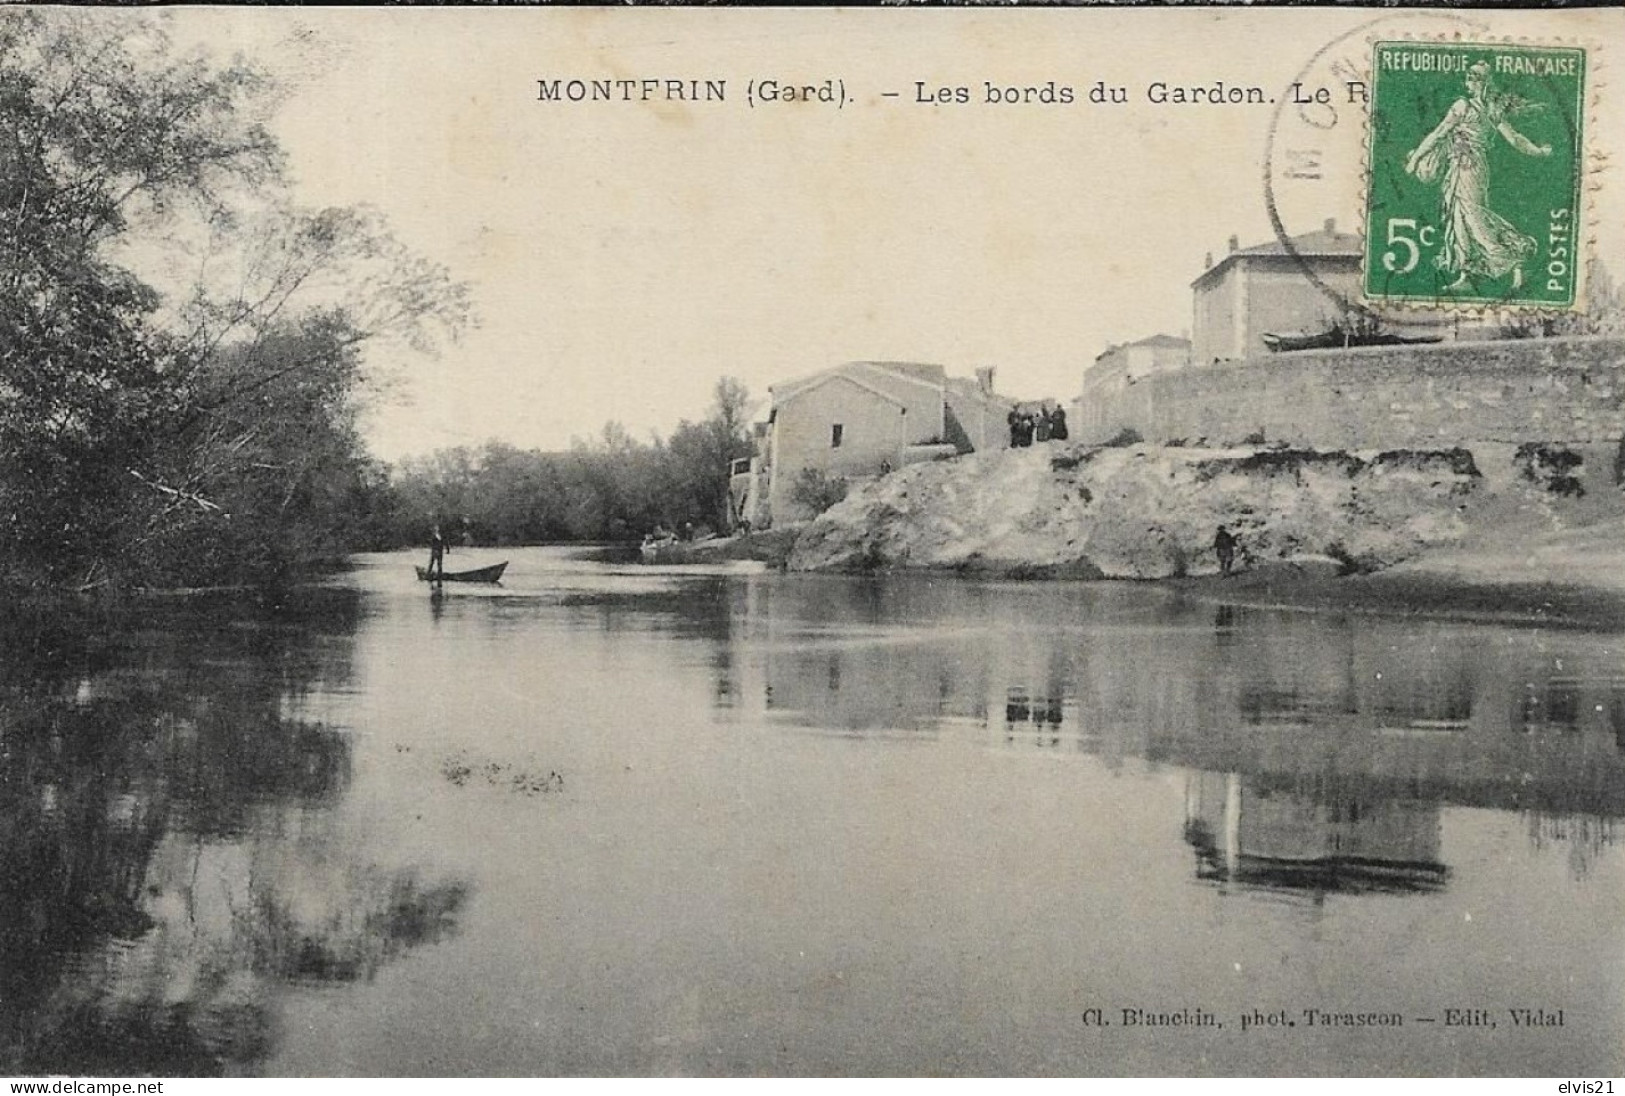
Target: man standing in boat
[[437, 554]]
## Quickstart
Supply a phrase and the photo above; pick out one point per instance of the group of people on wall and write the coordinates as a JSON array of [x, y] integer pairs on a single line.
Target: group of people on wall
[[1046, 423]]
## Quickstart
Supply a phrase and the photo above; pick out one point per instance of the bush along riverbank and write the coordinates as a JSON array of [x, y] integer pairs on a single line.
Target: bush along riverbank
[[1394, 521]]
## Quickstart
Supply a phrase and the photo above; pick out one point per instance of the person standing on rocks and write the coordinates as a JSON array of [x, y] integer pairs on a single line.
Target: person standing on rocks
[[1224, 544]]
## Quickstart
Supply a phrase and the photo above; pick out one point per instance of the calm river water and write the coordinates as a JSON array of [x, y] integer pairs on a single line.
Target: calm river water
[[609, 819]]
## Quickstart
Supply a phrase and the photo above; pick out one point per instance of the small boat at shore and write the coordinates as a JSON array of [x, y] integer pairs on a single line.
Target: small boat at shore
[[1339, 336], [492, 573], [659, 549], [1285, 343]]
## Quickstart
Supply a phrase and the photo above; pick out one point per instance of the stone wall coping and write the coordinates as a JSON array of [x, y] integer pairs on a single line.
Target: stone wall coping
[[1442, 349]]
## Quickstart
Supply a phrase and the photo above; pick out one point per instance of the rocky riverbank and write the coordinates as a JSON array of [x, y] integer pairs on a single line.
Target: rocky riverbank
[[1144, 512], [1429, 530]]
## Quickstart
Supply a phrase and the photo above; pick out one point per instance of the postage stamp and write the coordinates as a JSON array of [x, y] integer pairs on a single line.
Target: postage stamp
[[1474, 173]]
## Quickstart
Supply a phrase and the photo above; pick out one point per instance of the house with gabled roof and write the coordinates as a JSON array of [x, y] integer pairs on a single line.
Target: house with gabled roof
[[1273, 288], [1119, 366], [1125, 363], [862, 419]]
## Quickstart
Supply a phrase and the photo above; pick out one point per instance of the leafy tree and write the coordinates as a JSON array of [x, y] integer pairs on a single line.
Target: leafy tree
[[703, 451], [204, 434], [92, 138]]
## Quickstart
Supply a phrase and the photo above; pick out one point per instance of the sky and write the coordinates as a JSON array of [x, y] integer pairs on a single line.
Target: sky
[[622, 256]]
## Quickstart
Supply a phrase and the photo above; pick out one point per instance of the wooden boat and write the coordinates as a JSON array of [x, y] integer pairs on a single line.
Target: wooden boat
[[1393, 339], [1323, 340], [658, 549], [1337, 335], [492, 573]]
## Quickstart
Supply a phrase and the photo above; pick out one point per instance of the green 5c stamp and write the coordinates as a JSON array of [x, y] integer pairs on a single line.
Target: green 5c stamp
[[1473, 186]]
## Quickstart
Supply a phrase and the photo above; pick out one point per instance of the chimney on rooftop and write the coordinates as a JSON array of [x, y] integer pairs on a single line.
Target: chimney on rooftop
[[984, 379], [1331, 226], [1207, 261], [1235, 243]]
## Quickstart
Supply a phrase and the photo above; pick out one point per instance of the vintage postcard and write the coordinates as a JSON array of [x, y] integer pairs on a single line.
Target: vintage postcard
[[837, 543]]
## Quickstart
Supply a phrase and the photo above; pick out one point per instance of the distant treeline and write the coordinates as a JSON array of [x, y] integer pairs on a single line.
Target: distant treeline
[[610, 488]]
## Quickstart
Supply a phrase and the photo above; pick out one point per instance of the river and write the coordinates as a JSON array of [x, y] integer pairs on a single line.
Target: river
[[612, 819]]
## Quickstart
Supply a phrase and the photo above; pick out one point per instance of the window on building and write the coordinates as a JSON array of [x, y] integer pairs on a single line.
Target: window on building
[[835, 432]]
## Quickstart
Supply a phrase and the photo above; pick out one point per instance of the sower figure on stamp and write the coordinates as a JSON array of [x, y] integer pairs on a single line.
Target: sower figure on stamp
[[1224, 544], [1478, 242]]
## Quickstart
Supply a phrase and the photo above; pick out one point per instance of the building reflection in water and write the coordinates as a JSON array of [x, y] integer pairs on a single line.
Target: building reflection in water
[[1583, 836], [1040, 714], [1316, 837], [1320, 749], [166, 855]]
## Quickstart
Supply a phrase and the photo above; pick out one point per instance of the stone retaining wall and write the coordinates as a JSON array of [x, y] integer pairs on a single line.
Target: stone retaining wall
[[1565, 391]]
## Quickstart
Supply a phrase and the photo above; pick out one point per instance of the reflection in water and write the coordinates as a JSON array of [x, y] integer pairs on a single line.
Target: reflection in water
[[1314, 836], [727, 823], [1585, 838], [1347, 738], [1020, 707], [163, 863]]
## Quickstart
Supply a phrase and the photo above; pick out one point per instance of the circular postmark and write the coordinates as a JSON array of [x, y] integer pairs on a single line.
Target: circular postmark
[[1321, 161]]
